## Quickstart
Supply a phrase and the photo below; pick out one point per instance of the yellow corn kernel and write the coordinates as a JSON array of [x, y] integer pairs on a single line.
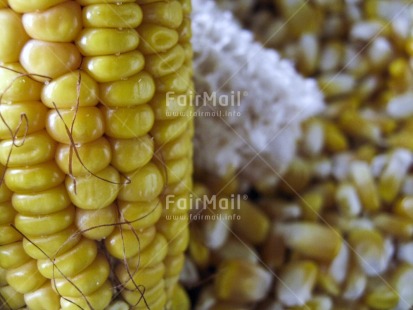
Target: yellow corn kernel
[[128, 123], [168, 14], [135, 90], [89, 2], [370, 246], [382, 297], [335, 140], [18, 277], [97, 224], [69, 264], [241, 281], [153, 254], [404, 207], [8, 234], [397, 226], [177, 82], [124, 243], [49, 59], [105, 15], [297, 281], [32, 149], [85, 158], [145, 184], [177, 148], [43, 298], [131, 154], [253, 225], [170, 105], [99, 299], [180, 299], [37, 225], [13, 36], [84, 125], [179, 242], [81, 284], [311, 239], [198, 251], [162, 64], [46, 247], [138, 296], [70, 89], [139, 215], [156, 39], [96, 191], [365, 185], [167, 131], [12, 299], [312, 204], [174, 265], [12, 255], [400, 278], [59, 23], [146, 277], [16, 85], [106, 41], [34, 178], [41, 203], [110, 68], [21, 118], [296, 178], [23, 6], [7, 214]]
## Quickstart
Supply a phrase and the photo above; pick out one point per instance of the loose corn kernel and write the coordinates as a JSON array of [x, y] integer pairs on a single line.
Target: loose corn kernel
[[311, 239], [242, 281]]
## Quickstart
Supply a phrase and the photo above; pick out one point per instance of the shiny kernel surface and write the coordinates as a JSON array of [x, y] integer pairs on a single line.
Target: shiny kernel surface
[[63, 92], [34, 178], [128, 123], [165, 63], [146, 184], [148, 277], [23, 6], [135, 90], [16, 86], [110, 68], [49, 59], [28, 150], [97, 224], [43, 298], [85, 158], [42, 247], [41, 225], [87, 281], [154, 254], [69, 264], [131, 154], [8, 235], [88, 125], [99, 299], [127, 15], [12, 255], [105, 41], [41, 202], [168, 14], [17, 277], [139, 215], [22, 118], [125, 243], [156, 39], [94, 191], [60, 23], [13, 36]]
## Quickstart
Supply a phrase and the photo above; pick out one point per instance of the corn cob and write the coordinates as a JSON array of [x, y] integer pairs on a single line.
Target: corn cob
[[90, 149]]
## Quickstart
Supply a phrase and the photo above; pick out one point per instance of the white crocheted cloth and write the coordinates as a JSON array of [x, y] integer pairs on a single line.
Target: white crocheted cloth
[[258, 138]]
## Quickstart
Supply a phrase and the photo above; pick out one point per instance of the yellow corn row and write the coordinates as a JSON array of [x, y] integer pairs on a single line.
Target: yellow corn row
[[95, 133]]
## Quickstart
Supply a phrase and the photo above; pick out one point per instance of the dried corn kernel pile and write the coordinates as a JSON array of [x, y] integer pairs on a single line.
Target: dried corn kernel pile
[[337, 231]]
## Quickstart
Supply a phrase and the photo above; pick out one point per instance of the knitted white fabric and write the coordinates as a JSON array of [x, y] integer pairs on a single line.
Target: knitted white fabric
[[255, 135]]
